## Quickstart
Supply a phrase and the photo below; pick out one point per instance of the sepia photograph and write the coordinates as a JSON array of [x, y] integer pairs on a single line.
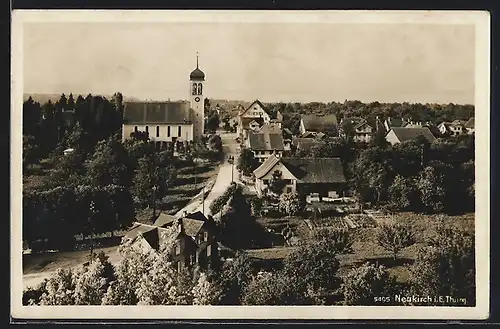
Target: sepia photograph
[[212, 164]]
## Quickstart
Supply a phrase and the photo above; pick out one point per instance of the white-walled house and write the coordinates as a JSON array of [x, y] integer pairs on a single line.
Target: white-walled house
[[321, 177], [401, 134]]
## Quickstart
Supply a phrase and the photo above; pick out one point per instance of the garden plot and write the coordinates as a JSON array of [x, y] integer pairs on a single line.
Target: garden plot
[[347, 222]]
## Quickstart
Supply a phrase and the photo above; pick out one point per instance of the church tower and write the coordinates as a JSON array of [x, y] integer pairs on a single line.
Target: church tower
[[197, 100]]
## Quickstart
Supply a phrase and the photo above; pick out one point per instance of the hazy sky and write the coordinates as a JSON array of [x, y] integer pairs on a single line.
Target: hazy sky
[[245, 61]]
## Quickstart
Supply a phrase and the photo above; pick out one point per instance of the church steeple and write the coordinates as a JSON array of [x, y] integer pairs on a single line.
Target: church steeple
[[197, 74]]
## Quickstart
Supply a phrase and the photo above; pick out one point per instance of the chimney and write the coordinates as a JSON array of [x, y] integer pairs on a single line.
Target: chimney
[[181, 226]]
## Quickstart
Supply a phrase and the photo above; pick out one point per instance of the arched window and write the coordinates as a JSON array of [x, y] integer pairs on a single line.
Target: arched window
[[135, 128], [179, 131], [168, 131], [200, 89], [157, 131], [194, 89], [147, 129]]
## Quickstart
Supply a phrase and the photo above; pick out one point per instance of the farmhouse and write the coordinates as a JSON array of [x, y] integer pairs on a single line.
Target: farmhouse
[[310, 123], [253, 117], [189, 239], [169, 121], [323, 177], [266, 142], [361, 130], [398, 134], [469, 126], [454, 128]]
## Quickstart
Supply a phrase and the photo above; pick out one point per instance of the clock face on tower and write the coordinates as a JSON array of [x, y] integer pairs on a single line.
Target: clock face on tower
[[197, 99]]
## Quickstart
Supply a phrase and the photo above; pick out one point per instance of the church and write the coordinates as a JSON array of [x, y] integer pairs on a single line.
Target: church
[[167, 122]]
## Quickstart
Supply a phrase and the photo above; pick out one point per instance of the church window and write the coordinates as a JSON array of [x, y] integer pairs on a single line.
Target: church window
[[168, 131], [194, 89], [200, 89], [135, 128], [147, 129], [157, 131], [179, 131]]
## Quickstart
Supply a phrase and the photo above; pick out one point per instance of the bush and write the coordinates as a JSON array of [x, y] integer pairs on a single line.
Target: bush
[[395, 238], [361, 285], [339, 240], [291, 204]]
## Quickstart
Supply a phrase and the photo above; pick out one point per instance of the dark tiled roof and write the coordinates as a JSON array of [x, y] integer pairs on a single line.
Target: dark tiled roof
[[319, 123], [156, 112], [164, 220], [138, 229], [405, 134], [305, 143], [268, 128], [198, 215], [266, 141], [316, 170], [306, 170], [267, 165], [245, 122]]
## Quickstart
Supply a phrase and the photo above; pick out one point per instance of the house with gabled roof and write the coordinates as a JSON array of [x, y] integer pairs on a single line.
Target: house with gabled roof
[[266, 142], [469, 126], [392, 122], [323, 177], [361, 129], [311, 123], [253, 115], [454, 128], [401, 134], [189, 239]]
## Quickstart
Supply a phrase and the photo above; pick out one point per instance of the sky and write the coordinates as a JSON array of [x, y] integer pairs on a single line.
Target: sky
[[290, 62]]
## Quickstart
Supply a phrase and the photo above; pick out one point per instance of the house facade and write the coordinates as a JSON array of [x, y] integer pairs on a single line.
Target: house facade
[[401, 134], [362, 131], [189, 240], [252, 118], [319, 177], [454, 128]]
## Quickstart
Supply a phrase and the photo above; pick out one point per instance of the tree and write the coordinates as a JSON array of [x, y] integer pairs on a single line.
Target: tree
[[247, 162], [337, 239], [206, 291], [314, 264], [213, 121], [377, 178], [403, 192], [395, 238], [60, 289], [363, 284], [109, 164], [291, 203], [146, 178], [29, 150], [215, 143], [446, 265], [234, 278], [432, 193], [276, 289], [277, 183], [91, 282]]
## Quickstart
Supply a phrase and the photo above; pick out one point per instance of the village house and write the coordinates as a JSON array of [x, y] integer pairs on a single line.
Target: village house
[[401, 134], [254, 117], [390, 123], [454, 128], [311, 124], [317, 177], [361, 129], [190, 240], [169, 121], [469, 126], [265, 142]]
